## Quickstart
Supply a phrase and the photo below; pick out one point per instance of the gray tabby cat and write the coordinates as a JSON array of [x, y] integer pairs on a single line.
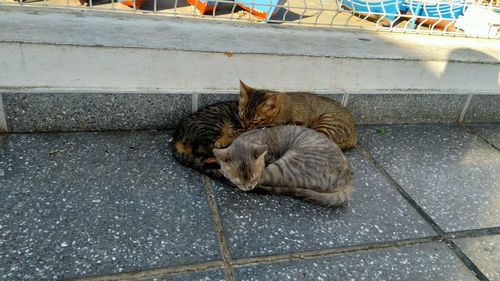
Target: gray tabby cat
[[289, 160]]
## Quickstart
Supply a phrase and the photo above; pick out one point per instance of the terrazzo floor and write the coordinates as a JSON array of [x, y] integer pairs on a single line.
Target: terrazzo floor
[[116, 206]]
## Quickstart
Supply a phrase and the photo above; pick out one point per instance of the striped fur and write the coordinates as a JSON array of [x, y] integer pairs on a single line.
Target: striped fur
[[258, 108], [289, 160], [196, 135], [328, 199]]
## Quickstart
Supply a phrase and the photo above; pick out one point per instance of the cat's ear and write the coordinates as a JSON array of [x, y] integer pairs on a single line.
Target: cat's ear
[[272, 102], [245, 90], [222, 154], [260, 150]]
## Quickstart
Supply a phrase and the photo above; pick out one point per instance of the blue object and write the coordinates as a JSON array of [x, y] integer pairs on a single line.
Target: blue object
[[392, 9], [389, 9], [417, 12], [436, 11], [260, 8]]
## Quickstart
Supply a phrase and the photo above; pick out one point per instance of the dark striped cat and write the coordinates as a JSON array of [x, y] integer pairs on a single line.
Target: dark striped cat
[[259, 108], [289, 160], [196, 135]]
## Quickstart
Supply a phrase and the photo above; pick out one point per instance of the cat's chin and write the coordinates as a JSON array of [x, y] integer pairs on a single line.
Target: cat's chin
[[247, 188]]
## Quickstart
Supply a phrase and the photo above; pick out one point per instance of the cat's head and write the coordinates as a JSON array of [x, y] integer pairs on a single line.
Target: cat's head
[[242, 163], [257, 108]]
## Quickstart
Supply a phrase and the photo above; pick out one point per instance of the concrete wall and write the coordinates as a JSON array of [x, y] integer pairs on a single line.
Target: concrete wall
[[71, 71]]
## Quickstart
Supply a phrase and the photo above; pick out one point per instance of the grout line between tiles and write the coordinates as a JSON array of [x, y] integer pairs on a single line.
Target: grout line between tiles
[[228, 264], [194, 102], [226, 257], [331, 252], [473, 233], [296, 256], [345, 99], [465, 259], [3, 119], [468, 263], [473, 131], [464, 110], [400, 189], [154, 273]]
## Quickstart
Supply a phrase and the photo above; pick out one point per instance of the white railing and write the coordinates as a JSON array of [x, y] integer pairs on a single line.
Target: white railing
[[471, 18]]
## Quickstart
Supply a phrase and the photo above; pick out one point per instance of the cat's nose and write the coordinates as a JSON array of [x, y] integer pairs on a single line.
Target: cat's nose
[[250, 186]]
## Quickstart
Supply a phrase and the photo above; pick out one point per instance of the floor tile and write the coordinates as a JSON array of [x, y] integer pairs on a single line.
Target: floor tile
[[484, 253], [452, 174], [79, 204], [261, 224], [205, 100], [419, 262], [489, 131]]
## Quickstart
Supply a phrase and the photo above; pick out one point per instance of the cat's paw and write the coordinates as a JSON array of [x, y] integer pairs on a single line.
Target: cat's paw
[[218, 145], [211, 160], [222, 142]]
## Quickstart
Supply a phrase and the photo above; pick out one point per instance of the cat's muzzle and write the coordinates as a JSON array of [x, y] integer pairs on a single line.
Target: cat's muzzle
[[248, 187]]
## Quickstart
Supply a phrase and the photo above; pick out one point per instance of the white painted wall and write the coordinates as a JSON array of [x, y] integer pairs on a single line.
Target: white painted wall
[[56, 50], [133, 69]]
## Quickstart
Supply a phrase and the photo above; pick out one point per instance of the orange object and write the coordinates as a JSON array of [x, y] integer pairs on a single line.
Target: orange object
[[204, 7], [262, 9], [257, 13], [138, 3], [441, 24]]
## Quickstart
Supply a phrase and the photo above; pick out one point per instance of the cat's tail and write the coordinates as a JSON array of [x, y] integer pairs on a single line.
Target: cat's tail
[[336, 198]]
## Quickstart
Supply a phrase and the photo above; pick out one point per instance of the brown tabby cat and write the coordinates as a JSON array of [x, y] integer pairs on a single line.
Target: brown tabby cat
[[289, 160], [194, 137], [259, 108]]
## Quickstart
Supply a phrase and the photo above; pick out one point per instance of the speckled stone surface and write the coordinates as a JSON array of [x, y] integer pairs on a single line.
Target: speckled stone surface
[[217, 275], [484, 253], [403, 108], [452, 174], [489, 131], [43, 112], [420, 262], [483, 108], [207, 99], [261, 224], [77, 204]]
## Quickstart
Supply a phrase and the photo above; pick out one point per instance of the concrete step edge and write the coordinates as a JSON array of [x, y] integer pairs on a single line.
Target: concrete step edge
[[50, 112]]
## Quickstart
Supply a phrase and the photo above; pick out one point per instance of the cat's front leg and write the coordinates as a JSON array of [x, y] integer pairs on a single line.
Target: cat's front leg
[[270, 176], [237, 132], [223, 142], [228, 135]]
